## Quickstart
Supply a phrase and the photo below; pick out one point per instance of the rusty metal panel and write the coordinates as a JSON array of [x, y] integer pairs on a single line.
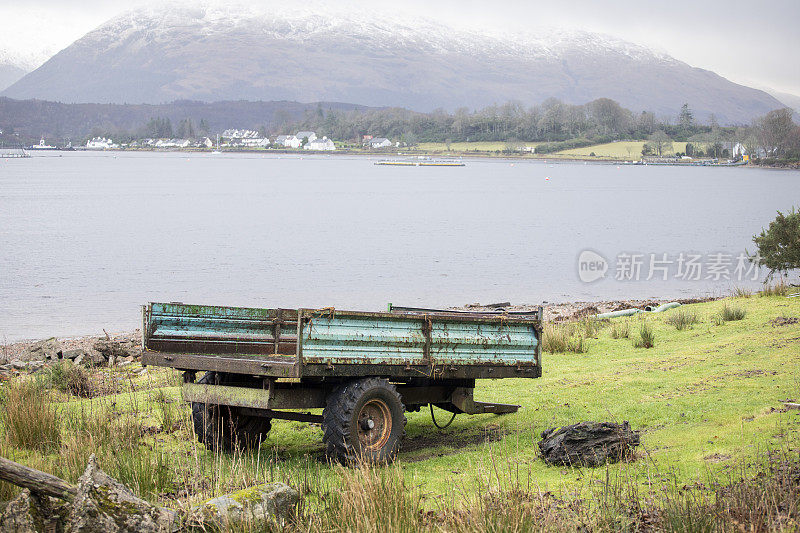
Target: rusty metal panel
[[176, 327], [344, 338], [498, 343], [330, 342]]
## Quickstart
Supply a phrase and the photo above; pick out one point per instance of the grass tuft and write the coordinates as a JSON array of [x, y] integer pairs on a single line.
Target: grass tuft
[[729, 313], [742, 292], [29, 420], [681, 319], [621, 329], [563, 338], [780, 288], [646, 337]]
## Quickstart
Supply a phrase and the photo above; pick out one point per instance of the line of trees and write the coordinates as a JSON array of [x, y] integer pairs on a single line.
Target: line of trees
[[561, 126], [552, 121]]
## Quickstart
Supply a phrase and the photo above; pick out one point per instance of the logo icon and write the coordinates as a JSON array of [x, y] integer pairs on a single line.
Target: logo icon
[[591, 266]]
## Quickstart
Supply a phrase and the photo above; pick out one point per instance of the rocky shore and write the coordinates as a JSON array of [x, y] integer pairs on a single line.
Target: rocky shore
[[120, 350], [561, 312]]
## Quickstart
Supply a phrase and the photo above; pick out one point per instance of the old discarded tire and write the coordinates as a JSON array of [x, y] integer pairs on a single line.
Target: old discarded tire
[[220, 427], [364, 420]]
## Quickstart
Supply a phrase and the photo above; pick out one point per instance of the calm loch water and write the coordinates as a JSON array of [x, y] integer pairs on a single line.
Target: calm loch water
[[85, 238]]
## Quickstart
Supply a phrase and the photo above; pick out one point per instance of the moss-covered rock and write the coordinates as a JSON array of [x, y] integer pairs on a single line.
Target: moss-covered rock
[[32, 513], [252, 506], [103, 505]]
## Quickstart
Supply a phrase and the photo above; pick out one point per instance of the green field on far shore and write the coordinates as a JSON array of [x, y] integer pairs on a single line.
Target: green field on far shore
[[619, 150], [629, 150], [489, 146]]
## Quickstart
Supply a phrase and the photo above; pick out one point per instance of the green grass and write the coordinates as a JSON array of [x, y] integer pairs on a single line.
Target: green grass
[[703, 398], [645, 337], [729, 313], [682, 318], [630, 150], [491, 146]]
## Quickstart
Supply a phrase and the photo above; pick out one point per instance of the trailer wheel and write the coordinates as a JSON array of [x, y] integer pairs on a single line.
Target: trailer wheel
[[364, 420], [220, 427]]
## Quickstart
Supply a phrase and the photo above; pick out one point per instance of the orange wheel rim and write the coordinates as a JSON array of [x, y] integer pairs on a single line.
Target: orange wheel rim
[[374, 425]]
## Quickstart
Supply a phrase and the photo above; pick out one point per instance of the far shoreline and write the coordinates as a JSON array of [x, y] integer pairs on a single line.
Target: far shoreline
[[545, 158]]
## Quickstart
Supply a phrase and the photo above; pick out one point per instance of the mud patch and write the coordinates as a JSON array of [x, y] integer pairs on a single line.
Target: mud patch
[[717, 457], [457, 440], [784, 321]]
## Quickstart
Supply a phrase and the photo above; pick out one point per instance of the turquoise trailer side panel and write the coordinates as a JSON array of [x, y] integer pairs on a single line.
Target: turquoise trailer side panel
[[498, 343], [213, 322], [401, 340], [343, 339]]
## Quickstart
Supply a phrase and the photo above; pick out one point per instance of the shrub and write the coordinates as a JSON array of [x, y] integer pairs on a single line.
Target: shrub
[[681, 319], [29, 419], [730, 313], [68, 377], [779, 245], [646, 338], [621, 329]]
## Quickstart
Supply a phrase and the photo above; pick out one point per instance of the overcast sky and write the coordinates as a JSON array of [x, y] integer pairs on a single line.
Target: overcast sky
[[755, 43]]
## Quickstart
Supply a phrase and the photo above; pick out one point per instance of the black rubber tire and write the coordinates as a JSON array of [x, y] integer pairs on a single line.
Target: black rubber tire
[[220, 427], [341, 424]]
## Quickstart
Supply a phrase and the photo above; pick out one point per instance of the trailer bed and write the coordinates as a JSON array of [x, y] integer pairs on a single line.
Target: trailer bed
[[304, 343]]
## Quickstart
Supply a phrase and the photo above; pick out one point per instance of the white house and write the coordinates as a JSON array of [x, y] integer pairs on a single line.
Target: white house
[[100, 143], [254, 142], [239, 134], [310, 135], [205, 142], [324, 145], [172, 143], [380, 142]]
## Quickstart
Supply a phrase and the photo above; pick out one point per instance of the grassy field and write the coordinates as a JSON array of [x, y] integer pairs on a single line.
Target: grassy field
[[625, 150], [707, 398], [468, 146], [630, 150]]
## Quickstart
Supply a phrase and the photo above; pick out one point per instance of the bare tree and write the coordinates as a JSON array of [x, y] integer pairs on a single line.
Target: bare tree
[[774, 129], [660, 142]]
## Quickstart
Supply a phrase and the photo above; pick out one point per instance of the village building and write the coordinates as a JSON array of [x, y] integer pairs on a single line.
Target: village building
[[254, 142], [380, 142], [310, 135], [100, 143], [240, 134], [323, 145], [172, 143]]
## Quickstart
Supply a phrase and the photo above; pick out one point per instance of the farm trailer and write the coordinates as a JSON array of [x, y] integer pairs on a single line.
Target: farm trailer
[[365, 370]]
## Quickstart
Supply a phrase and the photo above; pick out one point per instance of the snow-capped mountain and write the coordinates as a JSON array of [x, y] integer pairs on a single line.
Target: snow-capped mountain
[[282, 52], [12, 68]]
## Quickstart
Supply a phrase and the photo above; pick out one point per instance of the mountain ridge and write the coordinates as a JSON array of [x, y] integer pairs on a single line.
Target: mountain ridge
[[154, 55]]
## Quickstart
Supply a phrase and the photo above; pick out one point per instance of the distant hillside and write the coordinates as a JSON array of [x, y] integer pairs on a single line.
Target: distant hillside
[[790, 100], [10, 74], [277, 51], [35, 118]]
